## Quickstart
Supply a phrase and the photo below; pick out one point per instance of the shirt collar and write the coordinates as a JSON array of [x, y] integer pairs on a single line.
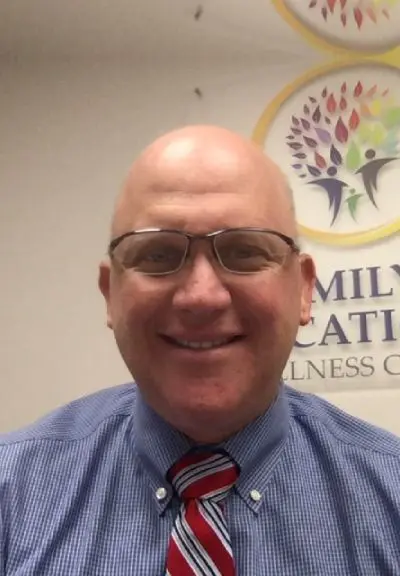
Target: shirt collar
[[256, 449], [158, 445]]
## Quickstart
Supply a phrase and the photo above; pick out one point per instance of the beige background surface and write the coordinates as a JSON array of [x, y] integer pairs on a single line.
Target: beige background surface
[[73, 114]]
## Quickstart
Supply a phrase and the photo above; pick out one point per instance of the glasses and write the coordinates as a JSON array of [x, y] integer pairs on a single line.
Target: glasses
[[158, 252]]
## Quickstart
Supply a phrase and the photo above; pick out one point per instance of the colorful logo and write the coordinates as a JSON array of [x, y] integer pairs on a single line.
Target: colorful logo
[[358, 25], [339, 134], [359, 11], [334, 137]]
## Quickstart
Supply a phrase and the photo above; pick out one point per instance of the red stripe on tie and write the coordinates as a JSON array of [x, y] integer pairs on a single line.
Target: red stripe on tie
[[177, 563], [209, 540], [198, 540]]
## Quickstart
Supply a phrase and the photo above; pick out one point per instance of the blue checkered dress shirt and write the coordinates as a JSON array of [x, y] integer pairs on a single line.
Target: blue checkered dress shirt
[[83, 492]]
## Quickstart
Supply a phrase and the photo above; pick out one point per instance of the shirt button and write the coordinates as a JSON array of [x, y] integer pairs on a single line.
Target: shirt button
[[161, 494], [255, 495]]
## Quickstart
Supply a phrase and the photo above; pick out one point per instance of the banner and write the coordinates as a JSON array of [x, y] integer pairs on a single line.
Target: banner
[[335, 132]]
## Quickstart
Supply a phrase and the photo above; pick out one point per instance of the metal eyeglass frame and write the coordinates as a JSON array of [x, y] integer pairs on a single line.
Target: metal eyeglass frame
[[211, 236]]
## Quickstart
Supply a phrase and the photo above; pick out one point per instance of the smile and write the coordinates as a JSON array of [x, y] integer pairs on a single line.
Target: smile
[[203, 345]]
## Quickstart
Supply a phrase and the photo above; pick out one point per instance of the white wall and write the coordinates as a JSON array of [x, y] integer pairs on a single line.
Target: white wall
[[69, 131]]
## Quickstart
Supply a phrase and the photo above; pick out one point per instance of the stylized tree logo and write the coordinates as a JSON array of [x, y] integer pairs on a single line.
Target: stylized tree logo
[[354, 132], [358, 10]]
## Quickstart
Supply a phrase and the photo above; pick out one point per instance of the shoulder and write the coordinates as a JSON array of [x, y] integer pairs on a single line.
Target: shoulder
[[326, 424], [78, 418], [82, 420]]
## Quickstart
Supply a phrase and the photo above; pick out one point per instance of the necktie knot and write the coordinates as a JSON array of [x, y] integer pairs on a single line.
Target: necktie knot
[[204, 475]]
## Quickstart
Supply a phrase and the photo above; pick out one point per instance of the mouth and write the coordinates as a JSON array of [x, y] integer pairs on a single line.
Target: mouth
[[202, 345]]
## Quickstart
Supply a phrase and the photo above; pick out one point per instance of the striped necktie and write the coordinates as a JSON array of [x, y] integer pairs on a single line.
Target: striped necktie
[[200, 543]]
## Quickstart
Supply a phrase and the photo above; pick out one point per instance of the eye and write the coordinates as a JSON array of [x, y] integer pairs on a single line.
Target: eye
[[247, 251], [153, 259], [160, 255]]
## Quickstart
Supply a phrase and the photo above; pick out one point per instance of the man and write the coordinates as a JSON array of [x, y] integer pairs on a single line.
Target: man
[[209, 464]]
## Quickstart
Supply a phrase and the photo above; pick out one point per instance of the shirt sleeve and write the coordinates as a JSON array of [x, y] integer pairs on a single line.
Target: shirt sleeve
[[2, 547]]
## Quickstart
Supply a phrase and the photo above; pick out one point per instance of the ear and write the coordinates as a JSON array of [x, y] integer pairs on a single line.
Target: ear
[[308, 277], [104, 285]]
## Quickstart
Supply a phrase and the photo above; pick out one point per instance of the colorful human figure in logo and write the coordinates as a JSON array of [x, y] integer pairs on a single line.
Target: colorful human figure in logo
[[355, 130]]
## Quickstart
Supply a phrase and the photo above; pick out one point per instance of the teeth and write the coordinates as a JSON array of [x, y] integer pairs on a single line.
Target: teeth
[[202, 345]]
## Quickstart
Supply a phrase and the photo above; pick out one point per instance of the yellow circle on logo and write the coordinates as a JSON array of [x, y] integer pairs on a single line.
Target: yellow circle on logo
[[322, 43], [259, 136]]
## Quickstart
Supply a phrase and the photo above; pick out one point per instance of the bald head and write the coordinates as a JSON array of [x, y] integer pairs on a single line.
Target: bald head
[[198, 160]]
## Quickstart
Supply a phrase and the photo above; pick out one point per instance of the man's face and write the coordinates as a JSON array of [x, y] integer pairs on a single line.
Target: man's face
[[153, 317]]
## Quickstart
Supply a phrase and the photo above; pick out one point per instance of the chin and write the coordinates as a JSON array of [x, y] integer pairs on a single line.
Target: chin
[[205, 407], [207, 423]]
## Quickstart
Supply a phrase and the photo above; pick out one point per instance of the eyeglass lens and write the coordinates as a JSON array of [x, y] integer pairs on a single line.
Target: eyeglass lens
[[163, 252]]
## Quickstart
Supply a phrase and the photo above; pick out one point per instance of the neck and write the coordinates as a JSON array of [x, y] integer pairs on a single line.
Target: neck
[[212, 430]]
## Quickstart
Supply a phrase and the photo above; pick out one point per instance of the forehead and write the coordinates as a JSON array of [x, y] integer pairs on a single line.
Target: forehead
[[203, 194], [201, 212]]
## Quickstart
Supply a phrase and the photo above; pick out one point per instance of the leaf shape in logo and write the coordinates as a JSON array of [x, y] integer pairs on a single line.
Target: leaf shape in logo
[[391, 117], [378, 135], [343, 88], [313, 170], [305, 123], [331, 104], [364, 132], [364, 110], [295, 145], [331, 5], [353, 157], [343, 103], [358, 17], [297, 166], [375, 107], [354, 120], [295, 121], [358, 90], [300, 155], [316, 115], [306, 110], [391, 140], [296, 131], [371, 13], [319, 160], [310, 142], [335, 155], [341, 132], [323, 135]]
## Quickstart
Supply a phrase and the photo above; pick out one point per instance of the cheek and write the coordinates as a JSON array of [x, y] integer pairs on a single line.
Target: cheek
[[135, 309], [133, 332], [273, 308]]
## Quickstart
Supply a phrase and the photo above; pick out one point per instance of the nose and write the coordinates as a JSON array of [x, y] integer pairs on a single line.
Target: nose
[[201, 291]]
